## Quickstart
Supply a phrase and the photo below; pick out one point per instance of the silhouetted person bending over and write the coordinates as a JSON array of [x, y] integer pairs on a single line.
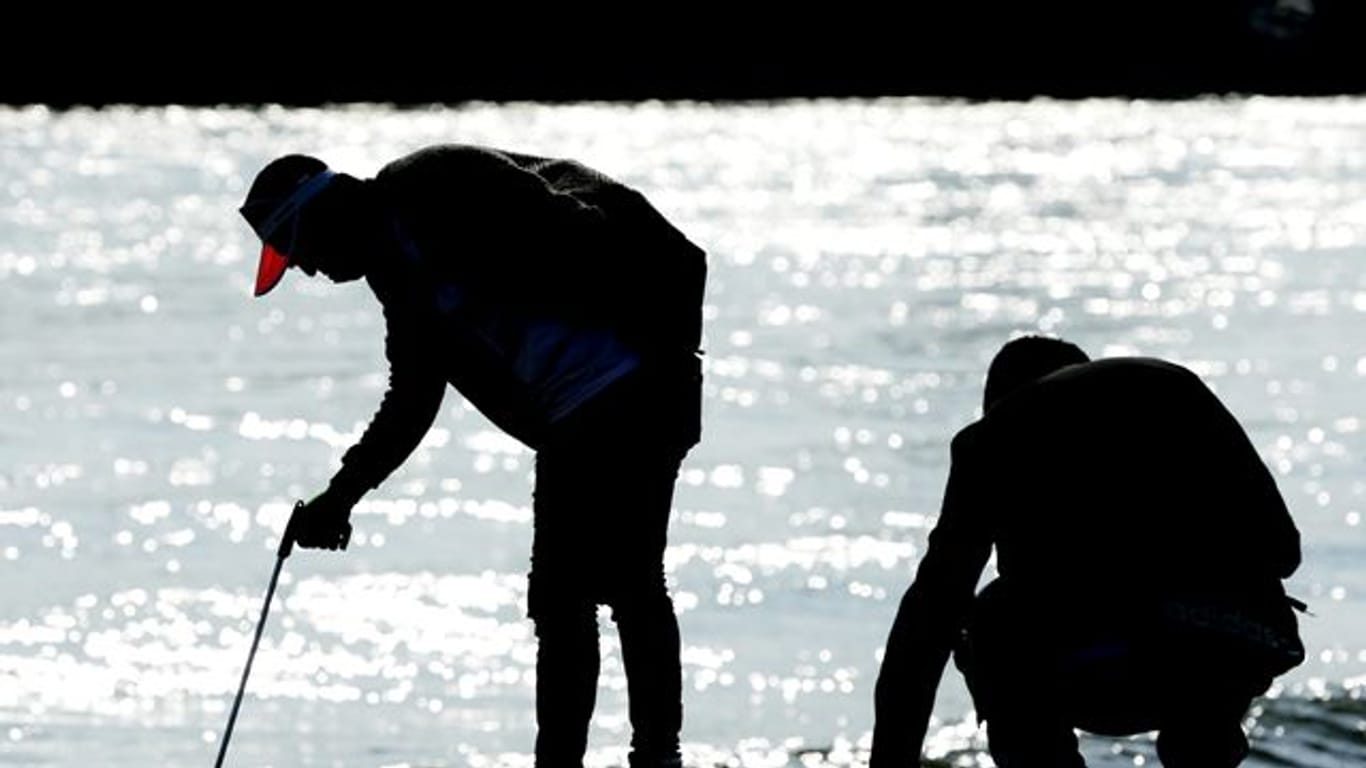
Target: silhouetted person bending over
[[565, 308], [1140, 544]]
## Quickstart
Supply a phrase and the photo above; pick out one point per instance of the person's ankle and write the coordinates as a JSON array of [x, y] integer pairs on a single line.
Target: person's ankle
[[667, 760]]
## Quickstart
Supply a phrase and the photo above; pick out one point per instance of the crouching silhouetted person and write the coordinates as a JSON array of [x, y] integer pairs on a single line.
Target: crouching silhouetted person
[[1141, 545]]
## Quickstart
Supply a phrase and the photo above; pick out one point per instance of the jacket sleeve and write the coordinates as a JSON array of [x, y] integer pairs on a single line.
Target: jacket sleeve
[[409, 406], [930, 618]]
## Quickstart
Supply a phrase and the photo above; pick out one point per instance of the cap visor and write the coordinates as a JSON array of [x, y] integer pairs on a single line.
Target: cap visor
[[270, 270]]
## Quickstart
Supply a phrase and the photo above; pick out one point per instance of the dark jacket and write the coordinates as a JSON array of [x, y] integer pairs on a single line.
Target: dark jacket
[[1112, 485], [528, 283]]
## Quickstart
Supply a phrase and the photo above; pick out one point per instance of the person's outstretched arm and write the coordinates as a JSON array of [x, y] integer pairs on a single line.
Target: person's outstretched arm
[[409, 406], [931, 615]]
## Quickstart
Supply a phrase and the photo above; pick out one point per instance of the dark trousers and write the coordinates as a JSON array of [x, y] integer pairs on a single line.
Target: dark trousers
[[1033, 685], [604, 488]]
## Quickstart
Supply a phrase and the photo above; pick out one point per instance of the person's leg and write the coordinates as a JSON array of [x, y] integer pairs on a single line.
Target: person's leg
[[1026, 725], [644, 613], [1194, 698], [604, 489], [566, 684], [1013, 687], [560, 603], [1204, 729], [650, 648], [1195, 692], [642, 434], [1023, 739]]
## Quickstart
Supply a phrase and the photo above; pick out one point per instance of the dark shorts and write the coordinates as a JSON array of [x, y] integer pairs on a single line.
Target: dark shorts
[[1112, 675]]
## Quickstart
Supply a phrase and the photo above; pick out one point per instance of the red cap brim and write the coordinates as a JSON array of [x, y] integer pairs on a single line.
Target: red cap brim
[[270, 270]]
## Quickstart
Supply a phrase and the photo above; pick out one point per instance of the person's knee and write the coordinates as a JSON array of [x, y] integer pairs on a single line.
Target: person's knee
[[1204, 728], [552, 606], [641, 597], [1207, 748], [1032, 739]]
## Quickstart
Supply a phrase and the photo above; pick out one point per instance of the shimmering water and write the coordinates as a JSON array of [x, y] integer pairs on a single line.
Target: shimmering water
[[867, 259]]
